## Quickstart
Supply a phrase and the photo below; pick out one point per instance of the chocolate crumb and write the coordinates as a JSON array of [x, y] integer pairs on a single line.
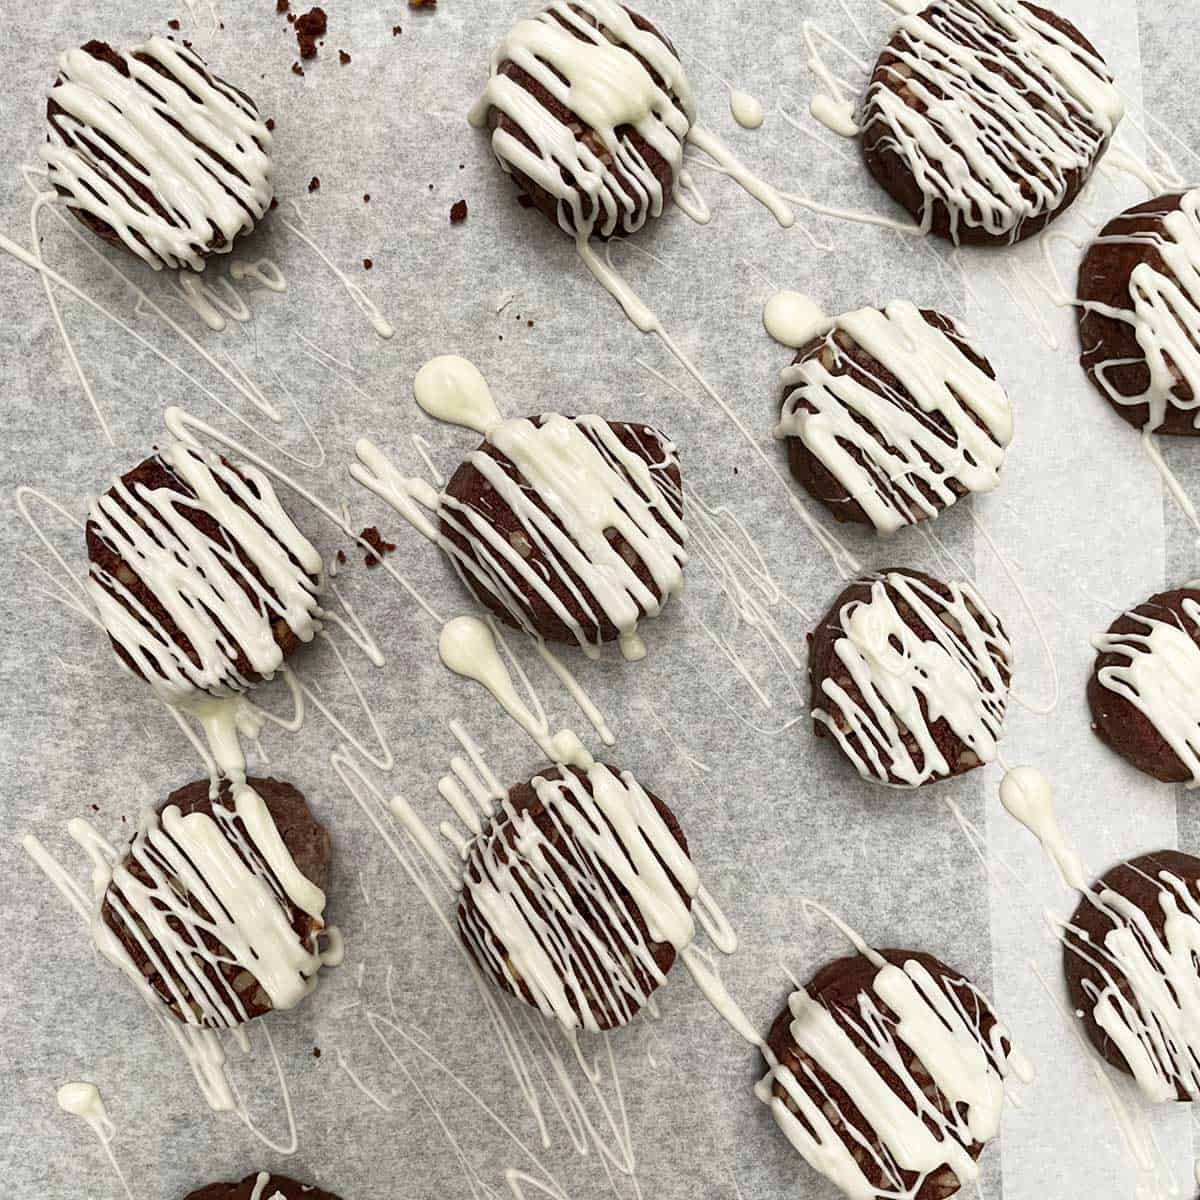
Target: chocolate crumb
[[314, 183], [173, 23], [374, 539], [341, 557], [366, 197], [316, 1052], [367, 264], [297, 69], [310, 26], [528, 324], [343, 57], [291, 18], [396, 31], [281, 6], [458, 213], [270, 124]]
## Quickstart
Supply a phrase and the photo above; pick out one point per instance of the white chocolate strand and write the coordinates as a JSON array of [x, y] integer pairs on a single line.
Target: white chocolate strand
[[194, 143], [911, 464]]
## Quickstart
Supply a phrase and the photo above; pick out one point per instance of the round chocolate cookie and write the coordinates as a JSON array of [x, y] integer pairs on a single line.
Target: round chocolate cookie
[[910, 676], [569, 527], [261, 1186], [155, 153], [1144, 692], [840, 1038], [1139, 314], [893, 415], [1132, 981], [561, 890], [986, 122], [589, 108], [201, 579], [202, 908]]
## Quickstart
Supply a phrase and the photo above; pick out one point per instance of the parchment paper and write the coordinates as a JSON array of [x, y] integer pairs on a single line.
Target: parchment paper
[[771, 817]]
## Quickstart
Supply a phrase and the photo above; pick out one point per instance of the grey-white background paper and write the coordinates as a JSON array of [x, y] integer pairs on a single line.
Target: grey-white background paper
[[772, 817]]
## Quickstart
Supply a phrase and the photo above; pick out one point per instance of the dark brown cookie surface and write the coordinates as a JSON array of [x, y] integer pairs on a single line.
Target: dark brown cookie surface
[[617, 178], [910, 676], [229, 987], [575, 938], [955, 66], [1141, 1007], [1144, 691], [1139, 314], [142, 580], [253, 1187], [524, 561], [891, 438], [842, 988]]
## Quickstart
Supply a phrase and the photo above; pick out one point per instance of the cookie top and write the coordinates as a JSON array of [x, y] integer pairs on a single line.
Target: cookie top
[[577, 895], [1139, 314], [984, 118], [589, 107], [887, 1075], [201, 579], [1144, 692], [910, 676], [1129, 953], [570, 528], [261, 1186], [155, 153], [893, 415], [217, 904]]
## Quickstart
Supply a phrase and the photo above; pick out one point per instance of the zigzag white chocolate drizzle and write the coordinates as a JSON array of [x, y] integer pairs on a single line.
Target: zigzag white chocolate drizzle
[[1160, 677], [908, 454], [984, 141], [200, 581], [954, 675], [195, 143], [909, 1017], [1165, 316], [547, 913]]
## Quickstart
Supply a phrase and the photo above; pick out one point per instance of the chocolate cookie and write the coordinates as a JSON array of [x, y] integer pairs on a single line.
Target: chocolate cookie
[[201, 579], [1144, 692], [261, 1186], [985, 121], [218, 902], [589, 108], [1133, 981], [888, 1076], [893, 415], [155, 153], [578, 894], [569, 527], [910, 676], [1139, 314]]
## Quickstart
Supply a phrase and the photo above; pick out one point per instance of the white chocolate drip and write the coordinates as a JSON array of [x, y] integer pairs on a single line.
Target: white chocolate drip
[[83, 1100], [1026, 796], [199, 581], [912, 463], [1160, 677], [1165, 312], [450, 388], [746, 110], [793, 319], [531, 898], [194, 143], [997, 152], [907, 684]]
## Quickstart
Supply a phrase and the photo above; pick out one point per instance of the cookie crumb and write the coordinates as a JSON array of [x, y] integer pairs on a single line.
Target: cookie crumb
[[341, 557], [173, 23], [310, 26], [374, 539], [281, 6], [270, 124], [396, 31], [366, 197], [343, 57], [316, 1052], [314, 183], [274, 204], [422, 3], [297, 69], [458, 213], [367, 264]]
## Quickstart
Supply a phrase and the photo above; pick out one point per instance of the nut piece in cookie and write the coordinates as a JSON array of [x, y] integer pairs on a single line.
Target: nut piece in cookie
[[1139, 314], [985, 121], [1130, 960], [218, 903], [893, 415], [200, 578], [910, 676], [577, 896], [589, 108], [570, 528], [887, 1075], [155, 153]]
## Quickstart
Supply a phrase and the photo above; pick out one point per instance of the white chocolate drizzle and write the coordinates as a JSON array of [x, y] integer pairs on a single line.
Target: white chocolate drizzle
[[83, 1100], [997, 152], [171, 127], [907, 683], [1160, 676], [901, 452]]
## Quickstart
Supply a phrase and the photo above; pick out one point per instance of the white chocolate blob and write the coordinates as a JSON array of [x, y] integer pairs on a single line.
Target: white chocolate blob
[[793, 319], [450, 388], [746, 110]]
